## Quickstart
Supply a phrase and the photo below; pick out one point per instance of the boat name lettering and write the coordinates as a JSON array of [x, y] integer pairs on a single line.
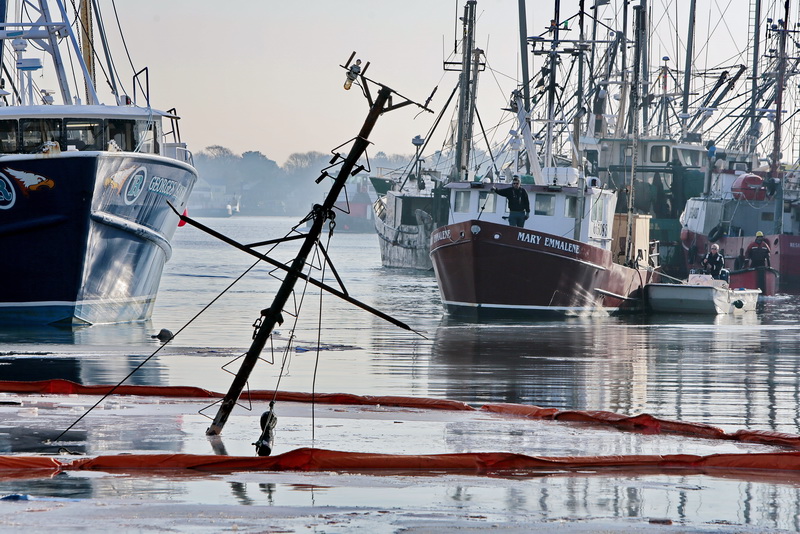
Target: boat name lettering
[[562, 245], [794, 245], [529, 238], [165, 186], [438, 236]]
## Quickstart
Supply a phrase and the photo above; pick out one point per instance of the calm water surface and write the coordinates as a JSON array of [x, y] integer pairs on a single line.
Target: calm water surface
[[735, 372]]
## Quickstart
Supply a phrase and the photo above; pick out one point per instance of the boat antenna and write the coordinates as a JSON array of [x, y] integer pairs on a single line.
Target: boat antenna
[[272, 315]]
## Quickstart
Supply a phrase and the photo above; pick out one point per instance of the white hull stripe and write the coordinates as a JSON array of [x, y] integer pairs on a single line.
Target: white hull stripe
[[537, 308]]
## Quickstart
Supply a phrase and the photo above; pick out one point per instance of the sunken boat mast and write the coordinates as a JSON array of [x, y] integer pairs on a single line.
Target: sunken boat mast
[[319, 215]]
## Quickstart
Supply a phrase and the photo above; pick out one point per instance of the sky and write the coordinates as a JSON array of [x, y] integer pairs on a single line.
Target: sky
[[265, 75]]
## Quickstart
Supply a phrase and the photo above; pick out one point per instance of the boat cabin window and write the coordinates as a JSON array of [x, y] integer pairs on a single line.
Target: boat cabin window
[[571, 207], [28, 136], [488, 202], [8, 137], [597, 211], [544, 204], [147, 135], [123, 133], [691, 158], [461, 202], [83, 134], [37, 132], [659, 154]]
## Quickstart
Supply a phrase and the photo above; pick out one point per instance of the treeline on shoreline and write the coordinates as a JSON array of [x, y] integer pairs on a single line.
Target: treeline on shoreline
[[262, 187]]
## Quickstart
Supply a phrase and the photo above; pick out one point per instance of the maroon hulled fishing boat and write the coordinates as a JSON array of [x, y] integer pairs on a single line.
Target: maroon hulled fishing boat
[[565, 261]]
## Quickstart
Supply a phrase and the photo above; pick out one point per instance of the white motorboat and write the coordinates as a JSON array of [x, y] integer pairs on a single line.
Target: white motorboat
[[700, 294]]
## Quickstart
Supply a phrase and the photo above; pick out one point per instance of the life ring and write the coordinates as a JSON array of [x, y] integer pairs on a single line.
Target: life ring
[[715, 233]]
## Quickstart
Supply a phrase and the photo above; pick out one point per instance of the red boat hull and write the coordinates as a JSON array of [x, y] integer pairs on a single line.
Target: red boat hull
[[784, 259], [490, 270], [762, 278]]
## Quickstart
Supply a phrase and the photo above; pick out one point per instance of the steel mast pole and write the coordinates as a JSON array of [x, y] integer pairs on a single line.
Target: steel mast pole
[[775, 170], [272, 315]]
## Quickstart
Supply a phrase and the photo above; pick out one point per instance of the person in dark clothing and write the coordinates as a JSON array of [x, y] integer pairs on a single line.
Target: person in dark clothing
[[519, 207], [758, 252], [713, 262]]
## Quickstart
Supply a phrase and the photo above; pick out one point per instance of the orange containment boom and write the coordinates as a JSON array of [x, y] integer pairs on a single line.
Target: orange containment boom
[[643, 423], [66, 387], [486, 463]]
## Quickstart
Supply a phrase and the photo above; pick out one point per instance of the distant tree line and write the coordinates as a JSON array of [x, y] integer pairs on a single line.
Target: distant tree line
[[263, 187]]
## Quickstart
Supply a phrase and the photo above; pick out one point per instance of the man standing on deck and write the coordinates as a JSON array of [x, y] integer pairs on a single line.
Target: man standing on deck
[[519, 207], [758, 252]]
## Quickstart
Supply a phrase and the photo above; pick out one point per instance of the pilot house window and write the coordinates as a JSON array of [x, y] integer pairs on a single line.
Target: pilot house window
[[8, 137], [545, 204], [571, 207], [461, 202], [37, 132], [659, 154], [83, 134], [487, 201], [122, 132]]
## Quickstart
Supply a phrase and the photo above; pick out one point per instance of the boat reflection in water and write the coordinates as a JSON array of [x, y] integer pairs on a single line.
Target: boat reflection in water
[[706, 369], [98, 354]]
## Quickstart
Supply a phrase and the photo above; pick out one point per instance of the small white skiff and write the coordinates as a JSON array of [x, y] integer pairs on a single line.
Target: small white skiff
[[699, 294]]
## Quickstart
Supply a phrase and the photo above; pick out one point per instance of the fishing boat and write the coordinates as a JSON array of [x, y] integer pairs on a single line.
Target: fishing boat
[[731, 215], [739, 205], [572, 256], [700, 293], [687, 114], [85, 186], [763, 278], [415, 203], [404, 219]]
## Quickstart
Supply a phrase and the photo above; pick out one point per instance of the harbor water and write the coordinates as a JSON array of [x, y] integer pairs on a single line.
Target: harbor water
[[734, 372]]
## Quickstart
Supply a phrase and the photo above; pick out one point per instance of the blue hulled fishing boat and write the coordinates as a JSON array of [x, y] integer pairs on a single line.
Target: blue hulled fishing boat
[[85, 186]]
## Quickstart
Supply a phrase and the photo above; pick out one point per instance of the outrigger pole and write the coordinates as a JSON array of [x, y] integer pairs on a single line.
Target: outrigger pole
[[319, 215]]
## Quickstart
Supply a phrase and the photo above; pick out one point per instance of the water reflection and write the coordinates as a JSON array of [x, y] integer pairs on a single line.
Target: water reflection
[[125, 334], [567, 365], [738, 370], [87, 368], [695, 501]]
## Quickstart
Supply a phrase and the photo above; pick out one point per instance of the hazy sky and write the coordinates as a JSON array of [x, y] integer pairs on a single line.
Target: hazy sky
[[265, 76]]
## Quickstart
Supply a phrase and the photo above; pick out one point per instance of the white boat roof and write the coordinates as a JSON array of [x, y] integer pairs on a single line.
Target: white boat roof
[[88, 111]]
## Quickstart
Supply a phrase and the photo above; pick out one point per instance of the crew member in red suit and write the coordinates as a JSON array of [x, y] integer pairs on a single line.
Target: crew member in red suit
[[757, 252]]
